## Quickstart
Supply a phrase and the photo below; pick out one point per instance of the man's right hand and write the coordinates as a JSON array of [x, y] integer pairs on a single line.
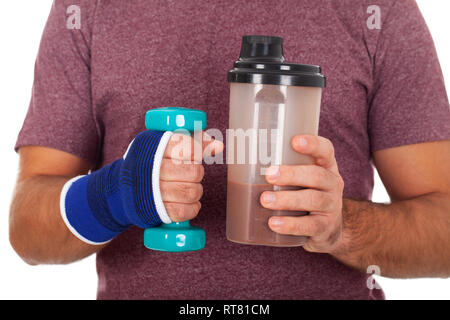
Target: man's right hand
[[157, 180], [182, 172], [37, 232]]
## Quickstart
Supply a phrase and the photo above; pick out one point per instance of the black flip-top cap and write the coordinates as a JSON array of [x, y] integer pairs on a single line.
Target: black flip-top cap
[[262, 62], [262, 48]]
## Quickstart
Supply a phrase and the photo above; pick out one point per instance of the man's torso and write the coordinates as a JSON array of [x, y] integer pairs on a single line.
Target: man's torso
[[147, 54]]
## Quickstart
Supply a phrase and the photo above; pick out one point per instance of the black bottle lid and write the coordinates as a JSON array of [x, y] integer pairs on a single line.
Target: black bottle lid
[[262, 62]]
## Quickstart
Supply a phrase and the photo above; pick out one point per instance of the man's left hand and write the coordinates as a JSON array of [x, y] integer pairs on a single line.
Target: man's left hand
[[321, 196]]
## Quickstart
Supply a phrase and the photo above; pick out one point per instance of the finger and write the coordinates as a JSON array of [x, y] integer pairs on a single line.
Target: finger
[[181, 192], [179, 212], [173, 171], [298, 200], [211, 146], [181, 147], [208, 147], [188, 148], [308, 176], [320, 148], [310, 226]]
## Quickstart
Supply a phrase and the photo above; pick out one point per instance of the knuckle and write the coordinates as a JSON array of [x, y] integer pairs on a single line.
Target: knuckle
[[333, 237], [319, 200], [179, 146], [341, 183], [329, 145], [190, 211], [174, 211], [195, 208], [326, 201], [173, 141], [182, 212], [319, 227], [200, 191], [178, 214], [313, 228]]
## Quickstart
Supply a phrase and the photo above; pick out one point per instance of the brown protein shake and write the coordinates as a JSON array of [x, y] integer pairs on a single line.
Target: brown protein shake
[[252, 228], [270, 102]]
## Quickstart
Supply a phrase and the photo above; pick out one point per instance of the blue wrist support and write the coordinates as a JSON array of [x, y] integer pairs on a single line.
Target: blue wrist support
[[99, 206]]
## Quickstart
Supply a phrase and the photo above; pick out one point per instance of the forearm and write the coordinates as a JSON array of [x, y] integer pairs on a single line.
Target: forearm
[[37, 231], [409, 238]]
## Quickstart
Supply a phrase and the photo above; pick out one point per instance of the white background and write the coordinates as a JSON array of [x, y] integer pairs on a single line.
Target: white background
[[21, 25]]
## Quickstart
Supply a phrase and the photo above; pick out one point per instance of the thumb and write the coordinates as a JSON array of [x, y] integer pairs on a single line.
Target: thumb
[[196, 147], [211, 146]]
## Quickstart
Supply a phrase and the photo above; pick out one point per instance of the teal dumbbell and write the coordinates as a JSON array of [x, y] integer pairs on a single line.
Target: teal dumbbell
[[175, 236]]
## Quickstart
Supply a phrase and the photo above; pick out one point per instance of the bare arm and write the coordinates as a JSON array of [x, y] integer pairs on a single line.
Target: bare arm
[[408, 238], [36, 229], [411, 236]]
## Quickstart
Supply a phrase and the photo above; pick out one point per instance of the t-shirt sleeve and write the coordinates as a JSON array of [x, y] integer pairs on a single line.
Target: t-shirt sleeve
[[60, 114], [409, 103]]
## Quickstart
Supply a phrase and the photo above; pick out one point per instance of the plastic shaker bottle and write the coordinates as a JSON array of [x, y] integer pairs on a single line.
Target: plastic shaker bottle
[[271, 101], [175, 236]]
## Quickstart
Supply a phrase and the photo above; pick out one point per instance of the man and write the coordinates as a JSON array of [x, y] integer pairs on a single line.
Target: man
[[102, 64]]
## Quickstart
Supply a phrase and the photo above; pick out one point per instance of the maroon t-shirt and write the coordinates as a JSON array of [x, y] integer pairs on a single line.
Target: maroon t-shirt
[[93, 85]]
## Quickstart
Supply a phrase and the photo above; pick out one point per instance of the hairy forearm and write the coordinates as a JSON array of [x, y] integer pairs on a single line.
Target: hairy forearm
[[37, 231], [409, 238]]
